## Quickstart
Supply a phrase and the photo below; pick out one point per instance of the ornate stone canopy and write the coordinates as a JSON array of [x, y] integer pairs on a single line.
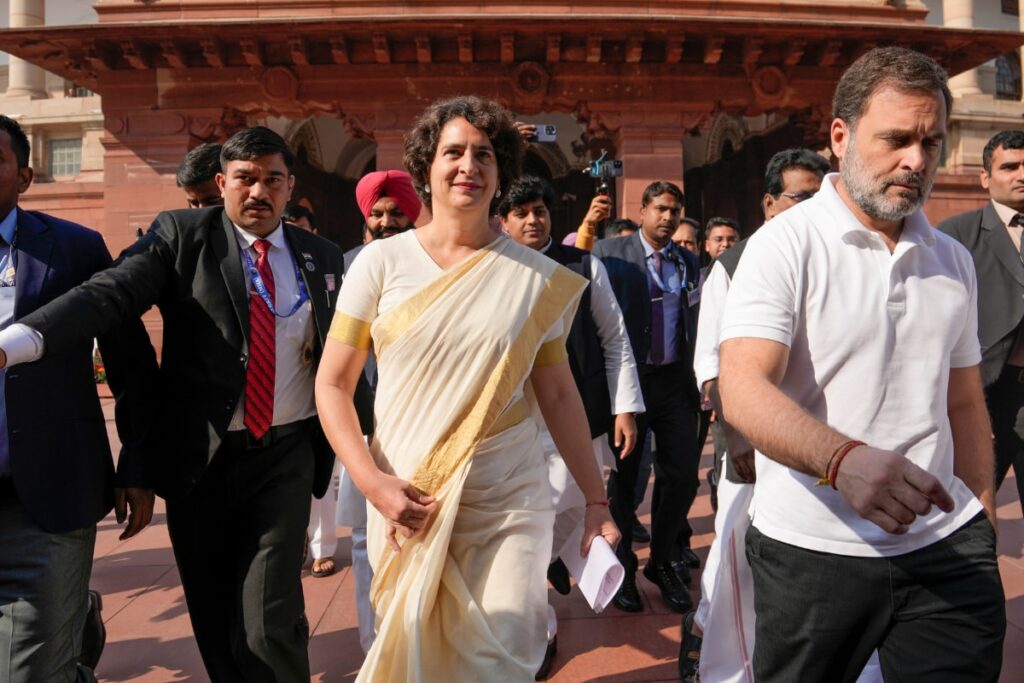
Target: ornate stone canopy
[[691, 66]]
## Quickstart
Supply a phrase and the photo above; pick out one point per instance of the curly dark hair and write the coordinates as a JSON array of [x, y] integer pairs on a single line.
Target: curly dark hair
[[486, 115]]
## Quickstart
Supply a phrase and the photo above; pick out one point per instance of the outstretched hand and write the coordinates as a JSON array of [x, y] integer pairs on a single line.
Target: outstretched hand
[[404, 507], [597, 521], [886, 488]]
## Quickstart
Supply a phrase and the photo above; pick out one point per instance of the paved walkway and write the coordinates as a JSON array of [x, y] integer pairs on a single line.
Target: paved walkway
[[149, 637]]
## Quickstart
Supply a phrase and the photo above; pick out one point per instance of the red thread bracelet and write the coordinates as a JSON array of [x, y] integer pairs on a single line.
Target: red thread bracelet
[[599, 502], [843, 451]]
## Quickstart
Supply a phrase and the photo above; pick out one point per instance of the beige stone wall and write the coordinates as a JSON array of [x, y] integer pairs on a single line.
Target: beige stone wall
[[977, 114]]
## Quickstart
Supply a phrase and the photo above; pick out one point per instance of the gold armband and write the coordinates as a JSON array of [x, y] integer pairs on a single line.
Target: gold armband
[[351, 331]]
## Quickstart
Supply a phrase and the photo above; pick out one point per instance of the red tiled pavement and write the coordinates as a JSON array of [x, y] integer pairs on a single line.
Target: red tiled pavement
[[149, 637]]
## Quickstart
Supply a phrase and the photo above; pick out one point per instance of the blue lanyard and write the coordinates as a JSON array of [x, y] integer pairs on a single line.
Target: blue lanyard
[[261, 287]]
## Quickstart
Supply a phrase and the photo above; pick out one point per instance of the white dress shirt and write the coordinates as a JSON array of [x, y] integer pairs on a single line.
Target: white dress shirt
[[673, 289], [293, 377], [872, 336], [709, 322]]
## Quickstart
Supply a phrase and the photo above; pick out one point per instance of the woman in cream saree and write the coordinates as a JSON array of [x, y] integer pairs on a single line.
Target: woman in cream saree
[[460, 512]]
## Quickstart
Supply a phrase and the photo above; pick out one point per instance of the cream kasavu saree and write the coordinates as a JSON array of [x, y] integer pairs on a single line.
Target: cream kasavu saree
[[466, 600]]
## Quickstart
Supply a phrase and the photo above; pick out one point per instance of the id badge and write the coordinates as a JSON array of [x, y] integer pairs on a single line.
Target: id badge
[[7, 298]]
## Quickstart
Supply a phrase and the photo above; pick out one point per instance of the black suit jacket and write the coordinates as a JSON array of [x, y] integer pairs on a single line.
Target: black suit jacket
[[586, 356], [188, 265], [624, 259], [61, 465], [1000, 283]]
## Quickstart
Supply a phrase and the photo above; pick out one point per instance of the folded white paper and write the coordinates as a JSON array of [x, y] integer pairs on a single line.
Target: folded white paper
[[599, 574]]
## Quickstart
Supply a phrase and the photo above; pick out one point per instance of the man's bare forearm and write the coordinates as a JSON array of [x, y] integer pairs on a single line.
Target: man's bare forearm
[[973, 454], [771, 421], [732, 436]]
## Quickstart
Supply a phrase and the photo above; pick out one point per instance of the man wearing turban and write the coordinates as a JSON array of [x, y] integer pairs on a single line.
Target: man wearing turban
[[388, 202]]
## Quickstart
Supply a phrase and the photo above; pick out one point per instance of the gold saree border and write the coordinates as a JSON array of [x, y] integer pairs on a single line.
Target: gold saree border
[[457, 445], [351, 331], [398, 320], [551, 353]]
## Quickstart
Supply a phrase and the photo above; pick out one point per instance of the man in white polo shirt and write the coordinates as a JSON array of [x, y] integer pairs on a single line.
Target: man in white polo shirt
[[849, 359]]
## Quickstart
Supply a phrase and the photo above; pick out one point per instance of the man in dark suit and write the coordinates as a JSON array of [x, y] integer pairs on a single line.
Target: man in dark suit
[[57, 478], [657, 286], [197, 176], [246, 303], [993, 236]]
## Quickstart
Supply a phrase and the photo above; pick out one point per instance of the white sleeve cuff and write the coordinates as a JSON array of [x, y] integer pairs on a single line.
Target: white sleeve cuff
[[629, 407], [21, 344]]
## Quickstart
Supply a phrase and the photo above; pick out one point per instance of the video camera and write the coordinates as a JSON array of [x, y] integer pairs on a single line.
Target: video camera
[[604, 169]]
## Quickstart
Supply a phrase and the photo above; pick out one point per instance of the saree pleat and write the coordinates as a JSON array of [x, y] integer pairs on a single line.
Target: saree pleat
[[465, 599]]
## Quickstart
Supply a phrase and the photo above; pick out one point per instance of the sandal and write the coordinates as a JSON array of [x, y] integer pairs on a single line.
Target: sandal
[[323, 567], [689, 651]]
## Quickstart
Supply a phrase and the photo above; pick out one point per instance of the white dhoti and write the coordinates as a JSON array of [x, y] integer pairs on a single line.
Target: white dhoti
[[322, 529], [352, 513], [568, 500]]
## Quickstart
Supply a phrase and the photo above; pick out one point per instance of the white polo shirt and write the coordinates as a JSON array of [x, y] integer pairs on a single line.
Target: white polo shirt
[[872, 336]]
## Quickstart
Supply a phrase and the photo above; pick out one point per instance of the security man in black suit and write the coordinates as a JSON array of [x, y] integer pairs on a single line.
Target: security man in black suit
[[57, 478], [993, 236], [246, 302], [657, 286]]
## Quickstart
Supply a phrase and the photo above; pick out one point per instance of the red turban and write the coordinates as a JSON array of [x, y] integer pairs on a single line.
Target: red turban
[[394, 184]]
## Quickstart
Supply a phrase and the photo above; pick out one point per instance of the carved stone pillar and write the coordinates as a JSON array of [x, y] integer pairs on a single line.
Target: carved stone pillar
[[962, 14], [390, 149], [25, 79], [648, 154]]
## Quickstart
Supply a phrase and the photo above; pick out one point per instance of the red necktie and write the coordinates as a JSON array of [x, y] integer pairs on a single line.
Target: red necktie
[[259, 376]]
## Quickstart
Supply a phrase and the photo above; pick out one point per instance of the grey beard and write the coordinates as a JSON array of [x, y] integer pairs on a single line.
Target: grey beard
[[869, 194]]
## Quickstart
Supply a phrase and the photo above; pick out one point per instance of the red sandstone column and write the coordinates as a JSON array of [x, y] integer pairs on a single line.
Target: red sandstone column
[[648, 154], [389, 149]]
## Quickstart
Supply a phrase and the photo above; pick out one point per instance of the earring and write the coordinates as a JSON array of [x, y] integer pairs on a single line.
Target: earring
[[497, 195], [426, 189]]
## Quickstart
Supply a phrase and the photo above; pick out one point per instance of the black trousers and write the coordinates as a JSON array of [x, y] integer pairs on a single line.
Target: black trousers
[[936, 614], [1005, 399], [237, 538], [672, 417]]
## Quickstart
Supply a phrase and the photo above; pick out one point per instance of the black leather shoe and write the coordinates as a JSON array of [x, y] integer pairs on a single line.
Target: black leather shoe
[[689, 651], [640, 533], [628, 597], [94, 635], [689, 558], [672, 589], [549, 657], [682, 571], [558, 575]]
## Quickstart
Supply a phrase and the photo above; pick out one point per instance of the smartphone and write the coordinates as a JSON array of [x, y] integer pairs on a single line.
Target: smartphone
[[546, 132]]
